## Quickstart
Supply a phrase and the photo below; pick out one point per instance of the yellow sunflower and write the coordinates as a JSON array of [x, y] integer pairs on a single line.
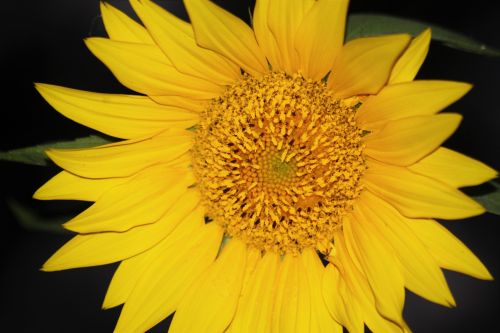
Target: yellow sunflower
[[271, 178]]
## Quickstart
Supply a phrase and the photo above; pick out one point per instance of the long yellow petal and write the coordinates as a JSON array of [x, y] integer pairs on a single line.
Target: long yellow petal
[[124, 158], [254, 256], [364, 65], [421, 273], [448, 251], [67, 186], [263, 34], [350, 245], [359, 291], [214, 296], [108, 247], [313, 269], [453, 168], [144, 199], [410, 99], [378, 262], [238, 323], [218, 30], [303, 304], [285, 312], [122, 28], [256, 304], [339, 301], [320, 37], [418, 196], [176, 39], [172, 268], [412, 59], [132, 269], [173, 248], [284, 19], [145, 69], [196, 105], [405, 141], [124, 279], [121, 116]]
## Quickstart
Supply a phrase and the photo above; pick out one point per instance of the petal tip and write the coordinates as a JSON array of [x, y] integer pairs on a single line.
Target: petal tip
[[479, 209], [52, 154], [50, 266], [466, 86], [486, 275], [43, 88], [450, 301], [106, 305], [454, 117], [38, 195], [93, 42], [75, 226]]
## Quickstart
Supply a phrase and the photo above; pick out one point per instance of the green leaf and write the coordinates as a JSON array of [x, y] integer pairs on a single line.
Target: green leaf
[[29, 220], [35, 155], [489, 198], [365, 25]]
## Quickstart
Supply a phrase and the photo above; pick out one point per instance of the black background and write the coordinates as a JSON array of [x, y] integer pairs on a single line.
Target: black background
[[42, 42]]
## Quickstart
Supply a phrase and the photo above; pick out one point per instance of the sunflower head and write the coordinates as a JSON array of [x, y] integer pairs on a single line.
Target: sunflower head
[[278, 161]]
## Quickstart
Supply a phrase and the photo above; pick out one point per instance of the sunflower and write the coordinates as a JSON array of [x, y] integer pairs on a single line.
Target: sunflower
[[271, 178]]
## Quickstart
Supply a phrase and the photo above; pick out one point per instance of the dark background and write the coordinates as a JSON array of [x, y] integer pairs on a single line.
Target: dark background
[[42, 42]]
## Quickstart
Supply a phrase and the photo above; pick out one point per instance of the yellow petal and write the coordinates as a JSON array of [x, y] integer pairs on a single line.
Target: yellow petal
[[378, 262], [182, 162], [124, 158], [254, 257], [320, 37], [176, 39], [172, 268], [453, 168], [448, 251], [67, 186], [284, 19], [359, 291], [351, 246], [122, 116], [132, 269], [313, 269], [145, 69], [108, 247], [364, 65], [405, 141], [418, 196], [144, 199], [218, 30], [256, 304], [421, 273], [214, 296], [124, 279], [303, 304], [196, 105], [264, 37], [286, 304], [416, 98], [409, 64], [339, 301], [122, 28]]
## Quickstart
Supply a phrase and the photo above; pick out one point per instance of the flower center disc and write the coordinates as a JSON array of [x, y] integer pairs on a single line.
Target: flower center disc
[[278, 161]]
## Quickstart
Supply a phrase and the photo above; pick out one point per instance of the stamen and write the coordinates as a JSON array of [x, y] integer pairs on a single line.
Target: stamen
[[278, 161]]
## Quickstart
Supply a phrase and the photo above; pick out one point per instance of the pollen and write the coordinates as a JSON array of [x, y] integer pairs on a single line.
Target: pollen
[[278, 161]]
